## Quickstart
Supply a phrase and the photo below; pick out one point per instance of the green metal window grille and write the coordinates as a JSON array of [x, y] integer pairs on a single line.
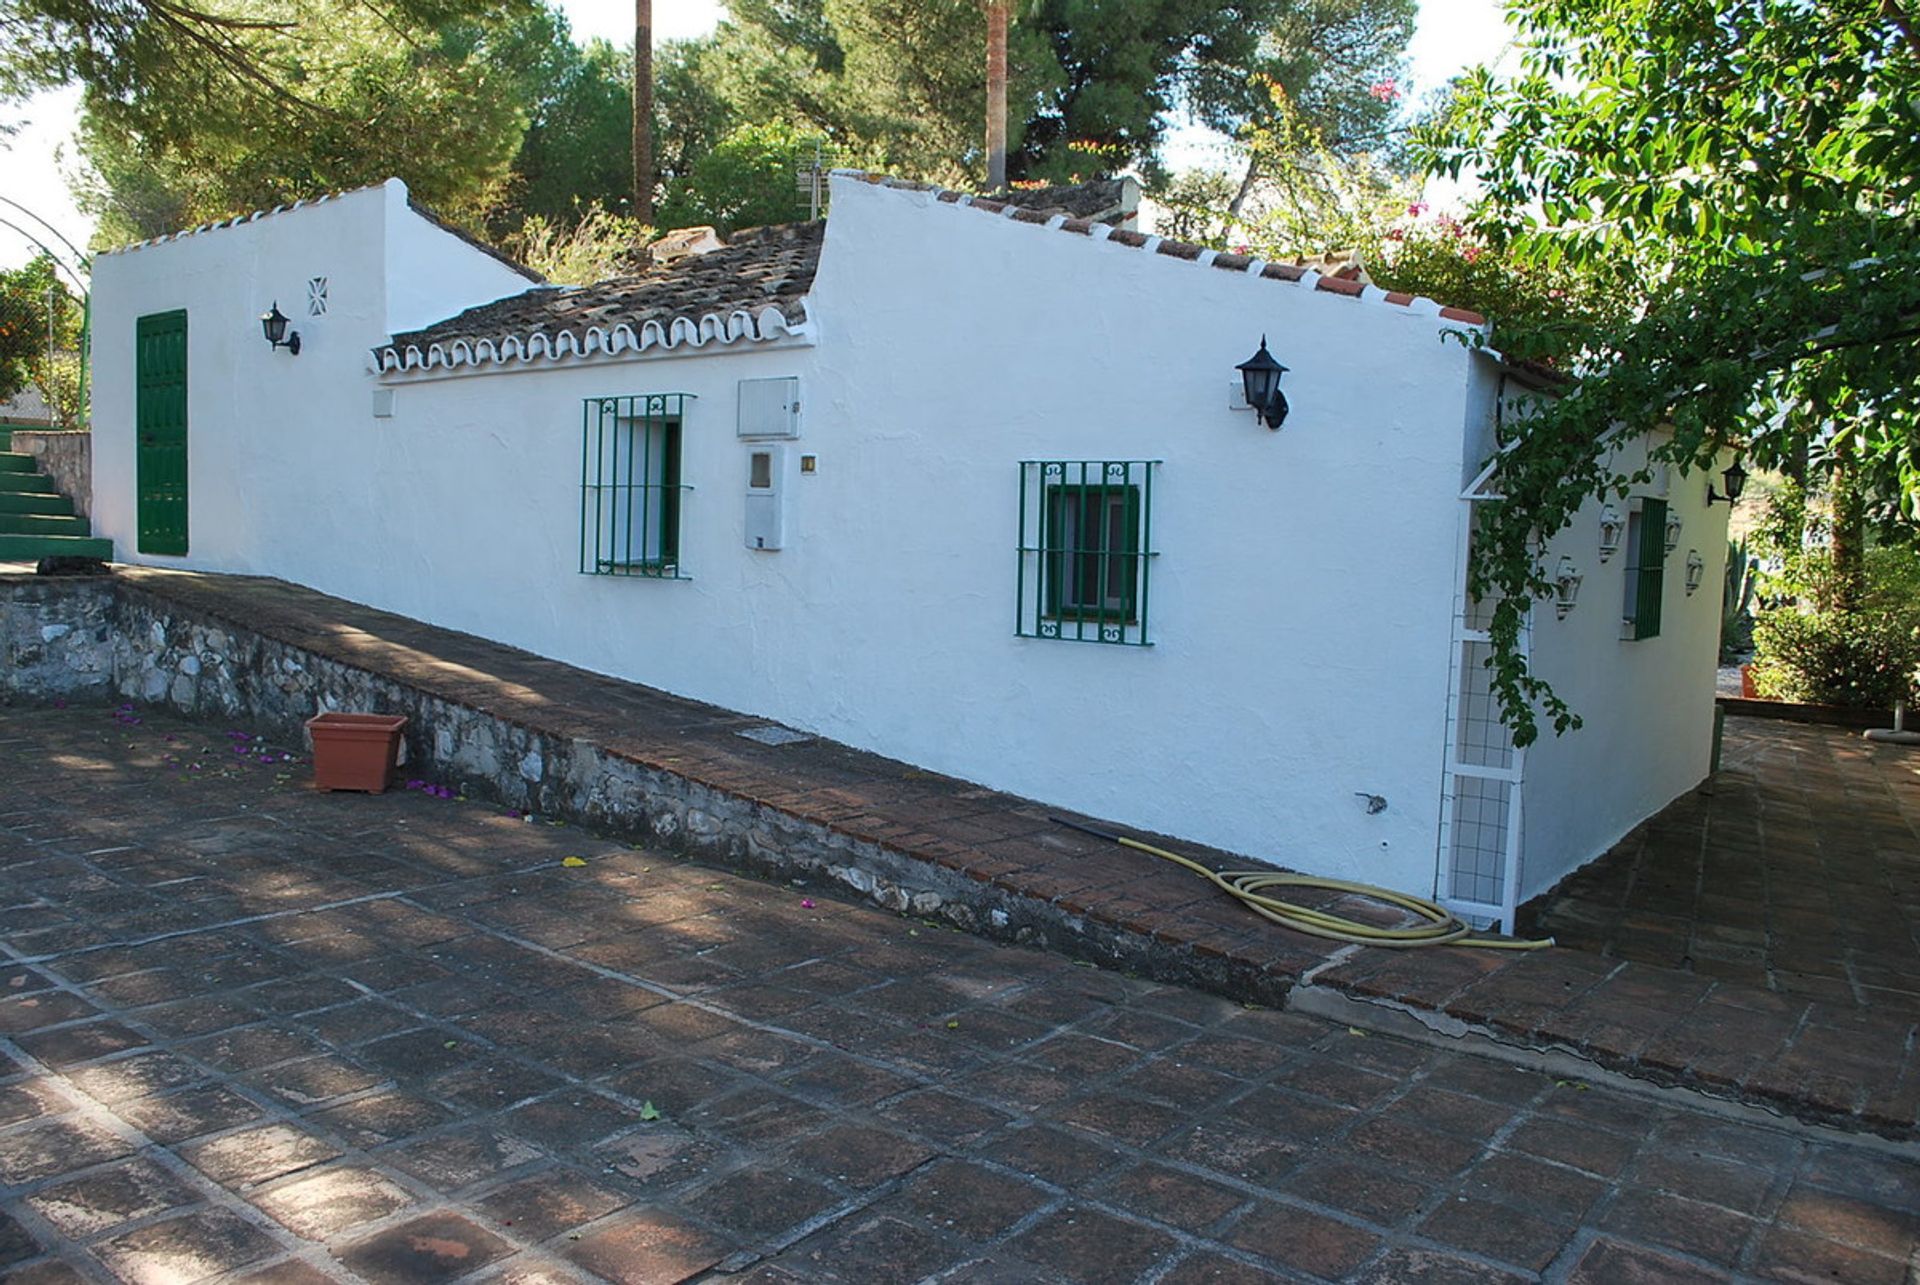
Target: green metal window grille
[[1646, 567], [631, 494], [1085, 550]]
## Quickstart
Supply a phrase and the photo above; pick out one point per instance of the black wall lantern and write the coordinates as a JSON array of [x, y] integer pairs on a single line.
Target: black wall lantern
[[1735, 478], [275, 325], [1261, 374]]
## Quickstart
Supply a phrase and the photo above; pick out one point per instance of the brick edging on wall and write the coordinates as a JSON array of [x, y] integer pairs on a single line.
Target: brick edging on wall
[[532, 733], [1794, 712]]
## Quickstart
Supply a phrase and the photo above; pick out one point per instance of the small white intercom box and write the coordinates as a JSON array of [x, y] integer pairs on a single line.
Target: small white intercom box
[[766, 496]]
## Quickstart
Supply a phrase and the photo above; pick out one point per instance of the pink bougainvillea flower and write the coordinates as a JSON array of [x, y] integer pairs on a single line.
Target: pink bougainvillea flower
[[1385, 90], [1417, 208], [806, 903]]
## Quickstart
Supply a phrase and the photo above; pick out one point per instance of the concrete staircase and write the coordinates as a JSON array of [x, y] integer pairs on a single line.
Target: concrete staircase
[[36, 521]]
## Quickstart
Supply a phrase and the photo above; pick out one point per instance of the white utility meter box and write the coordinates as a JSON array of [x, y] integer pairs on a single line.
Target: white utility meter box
[[766, 497], [770, 407]]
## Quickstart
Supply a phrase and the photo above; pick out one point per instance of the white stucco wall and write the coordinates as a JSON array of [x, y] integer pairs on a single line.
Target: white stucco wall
[[280, 447], [1647, 706], [1303, 581], [1299, 605], [430, 273]]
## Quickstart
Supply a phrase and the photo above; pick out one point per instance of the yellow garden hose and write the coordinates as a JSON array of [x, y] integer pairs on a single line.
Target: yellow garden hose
[[1441, 927]]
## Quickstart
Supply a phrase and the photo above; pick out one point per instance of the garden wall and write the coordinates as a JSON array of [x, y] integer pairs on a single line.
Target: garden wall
[[66, 457]]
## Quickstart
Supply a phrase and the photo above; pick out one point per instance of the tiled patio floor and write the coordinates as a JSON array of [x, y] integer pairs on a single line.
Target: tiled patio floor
[[1822, 1058], [1799, 873], [251, 1032]]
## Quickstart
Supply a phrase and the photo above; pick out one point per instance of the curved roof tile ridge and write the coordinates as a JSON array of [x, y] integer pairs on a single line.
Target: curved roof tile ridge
[[1183, 250], [751, 290], [235, 220]]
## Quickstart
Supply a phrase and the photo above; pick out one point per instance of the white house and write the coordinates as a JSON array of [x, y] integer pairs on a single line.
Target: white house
[[968, 485]]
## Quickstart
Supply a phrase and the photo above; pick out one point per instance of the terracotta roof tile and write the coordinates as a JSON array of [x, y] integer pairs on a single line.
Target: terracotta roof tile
[[757, 269], [1102, 200]]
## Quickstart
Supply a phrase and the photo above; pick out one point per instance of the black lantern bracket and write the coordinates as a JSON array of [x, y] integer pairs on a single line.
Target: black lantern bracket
[[1260, 378], [1735, 479], [274, 324]]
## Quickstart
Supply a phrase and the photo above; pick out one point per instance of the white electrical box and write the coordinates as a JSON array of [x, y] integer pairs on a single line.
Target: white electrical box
[[766, 497], [770, 407]]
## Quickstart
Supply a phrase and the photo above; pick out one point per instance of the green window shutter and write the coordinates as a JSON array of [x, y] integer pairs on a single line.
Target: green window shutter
[[1053, 544], [1652, 572], [1130, 562]]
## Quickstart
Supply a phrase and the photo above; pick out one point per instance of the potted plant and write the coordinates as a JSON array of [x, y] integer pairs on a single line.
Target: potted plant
[[355, 751]]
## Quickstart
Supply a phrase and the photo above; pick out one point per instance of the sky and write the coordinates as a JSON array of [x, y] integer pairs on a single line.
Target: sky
[[1451, 35]]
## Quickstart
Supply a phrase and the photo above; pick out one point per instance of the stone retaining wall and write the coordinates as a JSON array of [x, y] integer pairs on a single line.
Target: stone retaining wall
[[161, 652], [57, 636], [66, 457]]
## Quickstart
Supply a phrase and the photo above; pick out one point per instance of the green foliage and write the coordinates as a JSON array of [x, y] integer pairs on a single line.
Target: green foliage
[[35, 306], [900, 84], [1341, 62], [591, 247], [747, 180], [1865, 659], [359, 98], [1751, 167], [577, 150], [1310, 198], [159, 66], [1544, 309]]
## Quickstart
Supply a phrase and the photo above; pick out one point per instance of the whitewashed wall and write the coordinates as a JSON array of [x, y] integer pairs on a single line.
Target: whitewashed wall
[[1300, 603], [1298, 606], [280, 448], [1647, 706]]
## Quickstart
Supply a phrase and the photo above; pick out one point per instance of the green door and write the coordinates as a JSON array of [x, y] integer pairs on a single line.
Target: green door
[[160, 419]]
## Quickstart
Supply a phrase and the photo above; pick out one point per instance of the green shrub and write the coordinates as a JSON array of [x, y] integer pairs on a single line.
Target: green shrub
[[1861, 659]]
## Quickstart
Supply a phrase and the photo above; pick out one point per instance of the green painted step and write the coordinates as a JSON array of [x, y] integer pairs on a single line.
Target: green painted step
[[27, 482], [34, 502], [18, 462], [32, 548], [42, 524]]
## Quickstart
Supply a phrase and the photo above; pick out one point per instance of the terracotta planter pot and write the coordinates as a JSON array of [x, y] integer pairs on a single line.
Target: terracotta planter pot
[[1746, 683], [355, 751]]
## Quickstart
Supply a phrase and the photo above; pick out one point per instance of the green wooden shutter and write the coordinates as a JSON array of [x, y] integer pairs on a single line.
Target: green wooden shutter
[[1651, 585], [160, 425], [1053, 538], [1129, 593]]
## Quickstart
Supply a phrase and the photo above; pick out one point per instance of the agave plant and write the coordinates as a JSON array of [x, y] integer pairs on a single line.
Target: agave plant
[[1736, 601]]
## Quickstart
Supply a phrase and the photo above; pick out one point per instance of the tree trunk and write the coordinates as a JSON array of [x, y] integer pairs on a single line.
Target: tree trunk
[[996, 94], [1849, 528], [1246, 189], [643, 111]]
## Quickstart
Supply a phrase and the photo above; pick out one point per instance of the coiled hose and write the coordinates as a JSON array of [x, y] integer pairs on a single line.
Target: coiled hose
[[1441, 927]]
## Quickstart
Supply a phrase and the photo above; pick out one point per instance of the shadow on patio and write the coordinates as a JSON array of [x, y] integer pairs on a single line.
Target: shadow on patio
[[1796, 870]]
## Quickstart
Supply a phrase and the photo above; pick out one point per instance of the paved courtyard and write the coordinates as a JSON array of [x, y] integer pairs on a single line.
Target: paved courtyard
[[1798, 872], [252, 1032]]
